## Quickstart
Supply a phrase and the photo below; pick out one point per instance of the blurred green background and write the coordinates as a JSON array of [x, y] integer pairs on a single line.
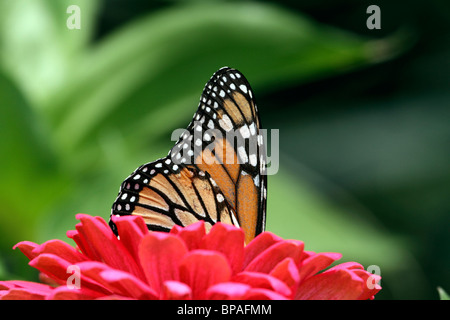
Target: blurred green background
[[363, 118]]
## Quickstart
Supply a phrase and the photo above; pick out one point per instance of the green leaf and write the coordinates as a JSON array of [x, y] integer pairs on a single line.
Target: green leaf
[[28, 166], [297, 211], [144, 79], [442, 294], [37, 48]]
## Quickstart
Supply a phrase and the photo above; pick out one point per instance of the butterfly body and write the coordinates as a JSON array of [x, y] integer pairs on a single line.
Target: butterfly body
[[216, 170]]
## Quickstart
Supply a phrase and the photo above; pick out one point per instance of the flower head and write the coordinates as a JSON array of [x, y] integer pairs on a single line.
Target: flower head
[[186, 263]]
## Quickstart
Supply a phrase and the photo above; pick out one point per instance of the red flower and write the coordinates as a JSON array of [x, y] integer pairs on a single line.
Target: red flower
[[186, 263]]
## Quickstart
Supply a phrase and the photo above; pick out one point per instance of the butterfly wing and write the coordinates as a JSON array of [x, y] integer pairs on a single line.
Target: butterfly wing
[[166, 194], [216, 170], [225, 140]]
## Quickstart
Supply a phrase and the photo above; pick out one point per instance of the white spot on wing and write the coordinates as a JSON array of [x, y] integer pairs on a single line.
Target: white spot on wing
[[225, 123], [243, 154], [253, 129], [243, 88], [245, 131], [260, 140], [253, 160], [256, 180]]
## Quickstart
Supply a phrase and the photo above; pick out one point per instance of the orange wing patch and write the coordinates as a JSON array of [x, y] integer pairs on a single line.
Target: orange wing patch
[[187, 218], [247, 202], [161, 182], [223, 169], [233, 111], [184, 182], [244, 106], [150, 198], [153, 217]]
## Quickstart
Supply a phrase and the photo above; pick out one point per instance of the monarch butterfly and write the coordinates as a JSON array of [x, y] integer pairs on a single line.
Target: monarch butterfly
[[215, 172]]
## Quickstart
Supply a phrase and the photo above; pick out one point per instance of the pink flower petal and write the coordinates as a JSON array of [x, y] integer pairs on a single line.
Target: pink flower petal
[[263, 294], [287, 272], [370, 284], [114, 297], [24, 290], [53, 266], [227, 291], [264, 281], [131, 230], [20, 294], [38, 287], [126, 284], [58, 270], [27, 247], [369, 281], [273, 255], [74, 235], [192, 235], [160, 255], [316, 262], [258, 245], [64, 293], [102, 245], [337, 284], [201, 269], [60, 249], [175, 290], [102, 278], [227, 240], [82, 235], [349, 266]]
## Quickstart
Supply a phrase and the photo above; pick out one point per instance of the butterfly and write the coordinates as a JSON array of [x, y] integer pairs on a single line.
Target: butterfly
[[215, 172]]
